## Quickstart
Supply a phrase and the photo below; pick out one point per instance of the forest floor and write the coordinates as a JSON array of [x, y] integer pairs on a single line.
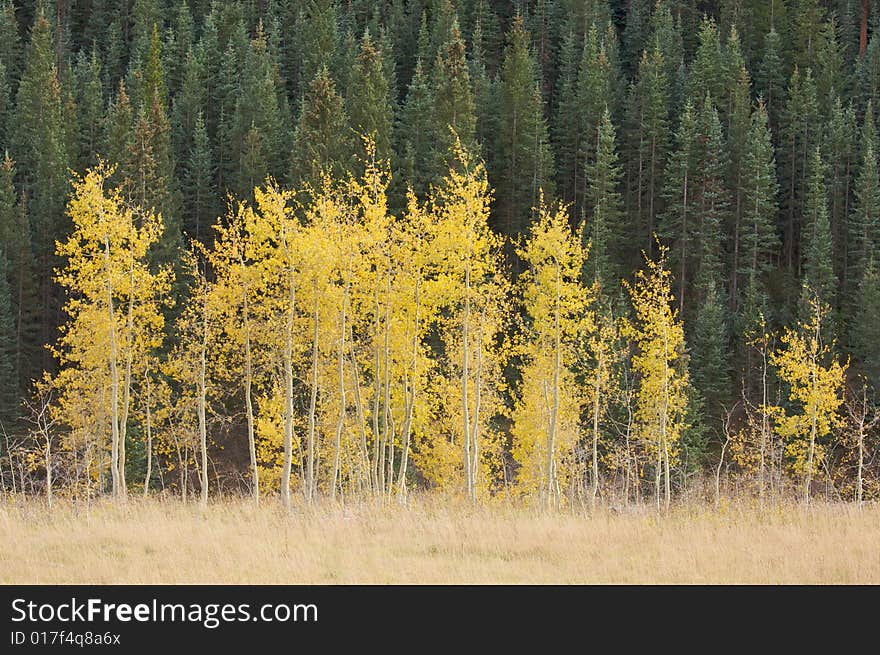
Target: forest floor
[[166, 541]]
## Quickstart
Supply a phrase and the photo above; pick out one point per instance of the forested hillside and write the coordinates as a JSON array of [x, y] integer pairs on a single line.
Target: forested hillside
[[568, 249]]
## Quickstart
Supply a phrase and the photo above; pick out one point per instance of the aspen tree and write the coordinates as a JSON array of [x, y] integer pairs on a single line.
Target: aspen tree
[[318, 255], [414, 313], [275, 233], [196, 327], [556, 303], [234, 295], [114, 301], [468, 287], [807, 363], [660, 367]]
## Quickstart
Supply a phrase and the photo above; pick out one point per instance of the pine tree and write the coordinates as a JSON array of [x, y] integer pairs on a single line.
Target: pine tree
[[863, 237], [258, 143], [739, 120], [370, 101], [317, 40], [712, 196], [198, 181], [800, 135], [839, 150], [415, 147], [819, 277], [322, 141], [39, 145], [865, 331], [709, 362], [707, 72], [605, 209], [770, 81], [15, 236], [564, 127], [649, 139], [453, 115], [759, 190], [90, 104], [594, 95], [678, 225], [9, 398], [524, 163]]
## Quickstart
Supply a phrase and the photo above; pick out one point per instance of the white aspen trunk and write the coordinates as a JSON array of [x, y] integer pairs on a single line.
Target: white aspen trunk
[[126, 385], [248, 400], [149, 426], [808, 482], [48, 454], [203, 427], [764, 426], [665, 417], [377, 391], [465, 374], [411, 401], [860, 483], [667, 489], [114, 377], [288, 394], [359, 409], [475, 426], [554, 412], [596, 403], [313, 400], [388, 432], [341, 420]]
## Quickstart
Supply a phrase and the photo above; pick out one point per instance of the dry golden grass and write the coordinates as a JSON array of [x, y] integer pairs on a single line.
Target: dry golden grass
[[430, 542]]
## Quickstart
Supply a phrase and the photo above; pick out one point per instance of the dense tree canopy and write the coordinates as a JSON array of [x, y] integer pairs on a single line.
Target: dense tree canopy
[[454, 244]]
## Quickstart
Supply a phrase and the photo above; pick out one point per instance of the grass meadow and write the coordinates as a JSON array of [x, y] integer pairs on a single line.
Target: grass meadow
[[428, 541]]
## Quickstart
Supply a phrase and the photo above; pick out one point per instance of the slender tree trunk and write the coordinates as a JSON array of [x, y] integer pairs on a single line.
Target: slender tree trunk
[[48, 462], [366, 469], [149, 426], [475, 424], [554, 411], [126, 385], [411, 401], [663, 450], [203, 427], [114, 377], [288, 394], [388, 431], [597, 388], [860, 478], [248, 400], [765, 428], [465, 375], [377, 391], [310, 470], [340, 423]]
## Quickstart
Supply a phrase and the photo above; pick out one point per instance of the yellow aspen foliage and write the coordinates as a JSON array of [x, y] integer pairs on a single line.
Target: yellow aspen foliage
[[599, 352], [191, 366], [660, 366], [816, 380], [240, 353], [114, 307], [547, 413], [273, 231], [468, 289]]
